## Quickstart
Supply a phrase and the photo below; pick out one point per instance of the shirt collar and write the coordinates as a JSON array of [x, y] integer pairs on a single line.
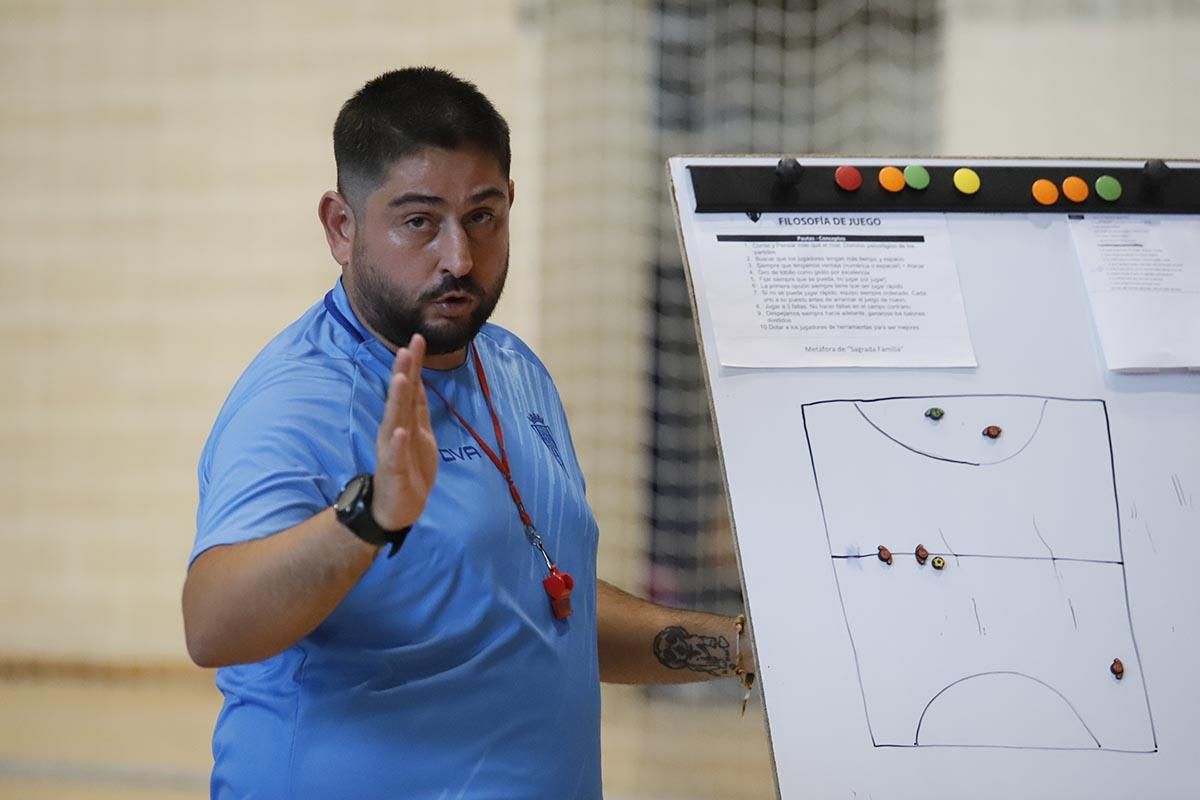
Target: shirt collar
[[337, 305]]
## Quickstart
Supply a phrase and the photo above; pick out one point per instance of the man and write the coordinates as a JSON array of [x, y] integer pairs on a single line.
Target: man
[[441, 631]]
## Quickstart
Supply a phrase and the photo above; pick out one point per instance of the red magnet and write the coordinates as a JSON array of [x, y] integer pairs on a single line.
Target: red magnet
[[558, 586], [992, 431], [885, 555], [1117, 668], [921, 554], [848, 178]]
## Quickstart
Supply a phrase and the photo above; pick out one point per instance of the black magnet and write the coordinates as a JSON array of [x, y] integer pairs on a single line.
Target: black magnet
[[1156, 172], [787, 171]]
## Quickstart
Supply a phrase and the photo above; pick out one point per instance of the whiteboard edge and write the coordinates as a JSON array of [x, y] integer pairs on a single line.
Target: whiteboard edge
[[712, 413]]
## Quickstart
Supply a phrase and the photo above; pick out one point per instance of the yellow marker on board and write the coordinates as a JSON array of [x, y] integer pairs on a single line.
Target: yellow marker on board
[[966, 180]]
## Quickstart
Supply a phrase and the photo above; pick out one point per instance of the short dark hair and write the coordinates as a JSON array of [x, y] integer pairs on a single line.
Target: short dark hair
[[404, 111]]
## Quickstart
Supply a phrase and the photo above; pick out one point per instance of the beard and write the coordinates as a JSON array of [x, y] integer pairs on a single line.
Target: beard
[[396, 316]]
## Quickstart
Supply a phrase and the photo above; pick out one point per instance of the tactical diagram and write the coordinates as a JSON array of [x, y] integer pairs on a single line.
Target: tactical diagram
[[976, 545]]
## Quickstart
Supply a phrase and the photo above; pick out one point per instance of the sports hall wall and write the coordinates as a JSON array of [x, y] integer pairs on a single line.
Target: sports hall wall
[[162, 164]]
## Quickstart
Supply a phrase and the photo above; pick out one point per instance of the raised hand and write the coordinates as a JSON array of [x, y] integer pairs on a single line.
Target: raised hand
[[405, 449]]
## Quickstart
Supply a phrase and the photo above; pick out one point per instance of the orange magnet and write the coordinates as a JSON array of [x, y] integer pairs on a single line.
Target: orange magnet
[[1075, 189], [1045, 192], [885, 555], [1117, 668], [921, 554], [891, 179]]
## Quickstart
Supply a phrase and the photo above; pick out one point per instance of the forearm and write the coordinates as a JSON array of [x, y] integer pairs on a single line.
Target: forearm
[[246, 602], [641, 642]]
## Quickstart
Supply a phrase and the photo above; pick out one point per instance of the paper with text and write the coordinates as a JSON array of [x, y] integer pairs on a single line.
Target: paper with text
[[1143, 278], [818, 290]]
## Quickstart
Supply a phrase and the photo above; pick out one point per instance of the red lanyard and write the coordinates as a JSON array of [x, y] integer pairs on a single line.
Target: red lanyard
[[558, 584]]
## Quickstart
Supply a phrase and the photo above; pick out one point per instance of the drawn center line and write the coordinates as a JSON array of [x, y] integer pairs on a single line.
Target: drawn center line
[[993, 555]]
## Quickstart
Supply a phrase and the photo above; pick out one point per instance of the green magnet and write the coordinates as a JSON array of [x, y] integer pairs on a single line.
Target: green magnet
[[916, 176], [934, 413], [1108, 187]]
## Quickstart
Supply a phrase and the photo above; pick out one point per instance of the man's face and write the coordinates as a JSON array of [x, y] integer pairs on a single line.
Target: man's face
[[430, 250]]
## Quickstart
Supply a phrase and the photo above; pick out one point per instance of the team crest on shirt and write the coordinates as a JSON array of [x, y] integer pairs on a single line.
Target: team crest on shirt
[[543, 430]]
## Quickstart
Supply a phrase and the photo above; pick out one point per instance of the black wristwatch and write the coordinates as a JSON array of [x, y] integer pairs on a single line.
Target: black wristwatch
[[353, 507]]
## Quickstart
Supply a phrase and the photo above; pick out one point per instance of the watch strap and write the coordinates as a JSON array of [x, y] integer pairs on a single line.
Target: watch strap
[[355, 514]]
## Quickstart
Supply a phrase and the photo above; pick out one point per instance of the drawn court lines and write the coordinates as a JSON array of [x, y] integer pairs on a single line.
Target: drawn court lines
[[1004, 634]]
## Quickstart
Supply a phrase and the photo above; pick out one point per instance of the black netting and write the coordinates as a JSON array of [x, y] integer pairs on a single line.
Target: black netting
[[770, 77]]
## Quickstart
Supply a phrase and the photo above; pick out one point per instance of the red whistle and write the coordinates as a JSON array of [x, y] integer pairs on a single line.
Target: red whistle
[[558, 586]]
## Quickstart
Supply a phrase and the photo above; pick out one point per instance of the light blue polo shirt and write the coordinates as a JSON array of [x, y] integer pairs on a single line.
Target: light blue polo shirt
[[443, 673]]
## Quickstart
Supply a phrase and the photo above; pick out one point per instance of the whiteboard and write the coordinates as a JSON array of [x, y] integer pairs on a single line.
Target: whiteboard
[[1066, 544]]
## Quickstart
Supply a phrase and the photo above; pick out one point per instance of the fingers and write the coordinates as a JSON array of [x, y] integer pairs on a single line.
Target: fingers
[[393, 455], [422, 405], [403, 476], [394, 408], [410, 358], [416, 350], [405, 394]]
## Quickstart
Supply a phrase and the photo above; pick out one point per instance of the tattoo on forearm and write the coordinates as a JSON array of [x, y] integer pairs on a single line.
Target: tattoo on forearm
[[675, 648]]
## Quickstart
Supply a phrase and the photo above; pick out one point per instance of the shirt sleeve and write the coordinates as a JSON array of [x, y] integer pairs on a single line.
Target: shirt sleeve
[[278, 455]]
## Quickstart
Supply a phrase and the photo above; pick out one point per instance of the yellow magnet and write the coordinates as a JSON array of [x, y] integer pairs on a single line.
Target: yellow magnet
[[966, 180]]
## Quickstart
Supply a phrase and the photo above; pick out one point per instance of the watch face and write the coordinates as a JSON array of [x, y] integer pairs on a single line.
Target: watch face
[[352, 494]]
